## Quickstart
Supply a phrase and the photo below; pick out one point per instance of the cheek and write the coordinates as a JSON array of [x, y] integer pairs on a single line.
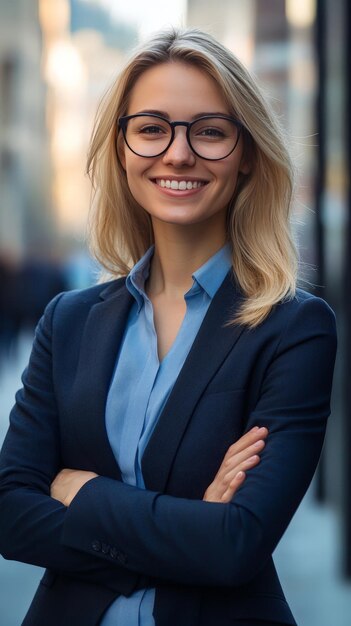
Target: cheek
[[133, 176], [132, 170], [133, 188], [228, 182], [136, 184]]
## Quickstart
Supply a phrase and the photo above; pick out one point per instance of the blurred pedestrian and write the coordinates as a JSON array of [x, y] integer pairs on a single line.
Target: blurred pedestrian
[[9, 319]]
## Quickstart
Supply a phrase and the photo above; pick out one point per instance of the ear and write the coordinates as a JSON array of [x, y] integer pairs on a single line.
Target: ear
[[245, 165], [246, 157]]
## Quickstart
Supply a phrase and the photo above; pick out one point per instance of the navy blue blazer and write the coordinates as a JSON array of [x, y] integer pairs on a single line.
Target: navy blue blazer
[[211, 563]]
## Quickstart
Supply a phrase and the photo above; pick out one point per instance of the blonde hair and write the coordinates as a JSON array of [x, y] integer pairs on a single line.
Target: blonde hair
[[264, 256]]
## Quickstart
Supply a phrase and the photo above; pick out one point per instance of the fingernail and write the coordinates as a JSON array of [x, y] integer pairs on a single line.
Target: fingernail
[[240, 475], [258, 443], [252, 459], [254, 428]]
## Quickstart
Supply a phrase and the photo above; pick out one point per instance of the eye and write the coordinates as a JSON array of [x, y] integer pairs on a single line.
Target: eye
[[210, 132], [152, 130]]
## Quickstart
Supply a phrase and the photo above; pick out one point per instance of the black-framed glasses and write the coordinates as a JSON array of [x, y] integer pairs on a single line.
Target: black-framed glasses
[[211, 137]]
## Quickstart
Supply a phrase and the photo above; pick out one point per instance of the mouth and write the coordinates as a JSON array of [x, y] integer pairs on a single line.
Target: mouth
[[179, 185]]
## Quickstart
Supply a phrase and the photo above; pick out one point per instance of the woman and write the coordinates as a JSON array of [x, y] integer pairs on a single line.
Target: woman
[[135, 468]]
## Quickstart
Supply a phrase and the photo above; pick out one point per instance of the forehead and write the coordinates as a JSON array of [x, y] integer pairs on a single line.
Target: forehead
[[177, 88]]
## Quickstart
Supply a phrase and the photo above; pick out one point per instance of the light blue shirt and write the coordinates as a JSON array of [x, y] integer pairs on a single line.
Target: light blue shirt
[[140, 387]]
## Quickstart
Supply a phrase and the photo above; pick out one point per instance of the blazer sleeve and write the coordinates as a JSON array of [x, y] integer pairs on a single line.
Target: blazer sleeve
[[196, 542], [31, 522]]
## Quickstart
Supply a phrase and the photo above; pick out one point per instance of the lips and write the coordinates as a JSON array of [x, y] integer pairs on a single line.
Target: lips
[[181, 185]]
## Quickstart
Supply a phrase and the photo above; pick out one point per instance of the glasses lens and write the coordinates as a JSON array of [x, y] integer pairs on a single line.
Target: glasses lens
[[148, 135], [214, 137]]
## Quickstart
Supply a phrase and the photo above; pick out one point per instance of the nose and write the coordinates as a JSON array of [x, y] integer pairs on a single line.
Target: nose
[[179, 152]]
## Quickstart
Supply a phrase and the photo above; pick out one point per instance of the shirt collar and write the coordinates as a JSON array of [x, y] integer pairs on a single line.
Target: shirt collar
[[208, 277], [212, 273], [138, 275]]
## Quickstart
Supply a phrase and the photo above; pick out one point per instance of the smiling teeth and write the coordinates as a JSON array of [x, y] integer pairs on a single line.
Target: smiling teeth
[[179, 184]]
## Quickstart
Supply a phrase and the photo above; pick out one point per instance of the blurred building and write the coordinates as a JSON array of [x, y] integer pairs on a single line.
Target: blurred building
[[232, 25], [333, 55], [83, 49], [25, 216]]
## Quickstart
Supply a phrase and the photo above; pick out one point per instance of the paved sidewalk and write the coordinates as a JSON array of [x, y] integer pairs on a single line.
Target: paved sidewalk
[[307, 559]]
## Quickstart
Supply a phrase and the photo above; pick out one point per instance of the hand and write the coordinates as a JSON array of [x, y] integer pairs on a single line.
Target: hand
[[241, 456], [67, 484]]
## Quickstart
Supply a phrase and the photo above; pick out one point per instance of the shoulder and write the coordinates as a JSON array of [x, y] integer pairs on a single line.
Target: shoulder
[[306, 306], [300, 319], [304, 317], [80, 301]]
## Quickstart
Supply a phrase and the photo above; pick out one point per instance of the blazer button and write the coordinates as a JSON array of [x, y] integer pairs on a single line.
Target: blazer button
[[113, 553], [96, 545]]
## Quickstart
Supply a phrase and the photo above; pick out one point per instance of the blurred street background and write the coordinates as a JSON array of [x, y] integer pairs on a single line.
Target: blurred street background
[[57, 58]]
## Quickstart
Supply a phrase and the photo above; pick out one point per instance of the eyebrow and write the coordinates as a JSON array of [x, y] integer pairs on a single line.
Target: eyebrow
[[194, 117]]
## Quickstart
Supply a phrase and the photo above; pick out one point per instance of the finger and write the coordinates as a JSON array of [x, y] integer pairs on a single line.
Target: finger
[[233, 487], [246, 465], [246, 440], [237, 458], [254, 448]]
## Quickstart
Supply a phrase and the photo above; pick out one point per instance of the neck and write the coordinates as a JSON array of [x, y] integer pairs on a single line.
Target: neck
[[179, 252]]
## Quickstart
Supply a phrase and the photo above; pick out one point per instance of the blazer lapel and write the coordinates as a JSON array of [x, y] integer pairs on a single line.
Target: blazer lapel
[[212, 344], [102, 336]]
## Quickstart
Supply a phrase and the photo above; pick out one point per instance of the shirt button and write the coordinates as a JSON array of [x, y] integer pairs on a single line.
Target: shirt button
[[96, 545]]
